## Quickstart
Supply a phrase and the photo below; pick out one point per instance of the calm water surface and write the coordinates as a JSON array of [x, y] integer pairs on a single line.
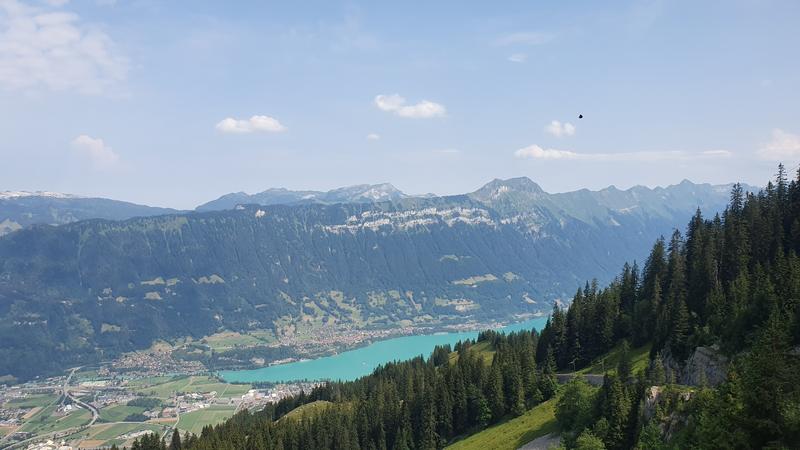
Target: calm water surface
[[362, 361]]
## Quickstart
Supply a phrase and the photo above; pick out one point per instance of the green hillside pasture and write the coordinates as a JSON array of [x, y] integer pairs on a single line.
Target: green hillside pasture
[[511, 434], [307, 410]]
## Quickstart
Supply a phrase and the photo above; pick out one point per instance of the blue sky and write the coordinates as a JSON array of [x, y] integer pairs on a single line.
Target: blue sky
[[173, 103]]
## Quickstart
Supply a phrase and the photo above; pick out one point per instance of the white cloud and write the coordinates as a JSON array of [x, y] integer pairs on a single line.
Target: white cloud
[[783, 147], [518, 57], [373, 137], [54, 49], [559, 129], [423, 110], [57, 2], [537, 152], [256, 123], [101, 155], [525, 38]]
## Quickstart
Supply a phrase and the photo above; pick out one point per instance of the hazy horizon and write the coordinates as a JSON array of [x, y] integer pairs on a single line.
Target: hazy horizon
[[174, 104]]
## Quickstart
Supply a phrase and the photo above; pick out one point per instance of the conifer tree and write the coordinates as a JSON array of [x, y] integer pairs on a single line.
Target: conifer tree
[[175, 443]]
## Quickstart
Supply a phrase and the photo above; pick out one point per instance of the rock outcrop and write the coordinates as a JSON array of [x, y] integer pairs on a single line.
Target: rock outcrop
[[665, 405], [707, 366]]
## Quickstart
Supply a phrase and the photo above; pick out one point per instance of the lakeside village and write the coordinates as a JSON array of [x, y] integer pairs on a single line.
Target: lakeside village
[[161, 389], [115, 403]]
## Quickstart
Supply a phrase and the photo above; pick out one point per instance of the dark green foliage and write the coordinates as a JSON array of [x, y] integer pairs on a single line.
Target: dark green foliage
[[624, 370], [575, 408], [149, 442], [734, 282], [417, 404], [588, 441], [175, 441], [136, 417]]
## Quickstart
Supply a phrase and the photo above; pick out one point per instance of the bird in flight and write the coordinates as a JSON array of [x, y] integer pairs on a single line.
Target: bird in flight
[[580, 116]]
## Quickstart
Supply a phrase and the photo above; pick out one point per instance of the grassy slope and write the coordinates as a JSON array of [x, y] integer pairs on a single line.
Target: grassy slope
[[308, 408], [515, 432], [608, 362], [484, 349]]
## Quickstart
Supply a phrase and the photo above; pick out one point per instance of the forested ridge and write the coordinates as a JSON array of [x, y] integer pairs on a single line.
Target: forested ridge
[[730, 283], [421, 403], [88, 291]]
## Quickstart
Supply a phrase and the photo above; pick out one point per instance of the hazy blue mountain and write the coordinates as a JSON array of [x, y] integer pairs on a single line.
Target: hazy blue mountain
[[361, 193], [89, 289], [19, 209]]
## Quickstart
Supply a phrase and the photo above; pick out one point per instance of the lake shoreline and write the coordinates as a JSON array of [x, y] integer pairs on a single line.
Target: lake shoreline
[[363, 359]]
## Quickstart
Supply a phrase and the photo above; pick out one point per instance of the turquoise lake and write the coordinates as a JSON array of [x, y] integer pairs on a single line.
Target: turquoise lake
[[362, 361]]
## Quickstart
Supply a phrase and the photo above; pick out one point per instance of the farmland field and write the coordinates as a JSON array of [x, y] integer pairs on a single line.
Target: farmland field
[[119, 413], [31, 401], [46, 422], [227, 340], [108, 434], [164, 387], [196, 420]]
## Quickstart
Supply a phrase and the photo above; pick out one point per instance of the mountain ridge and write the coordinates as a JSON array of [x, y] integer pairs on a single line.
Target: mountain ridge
[[20, 209], [93, 288]]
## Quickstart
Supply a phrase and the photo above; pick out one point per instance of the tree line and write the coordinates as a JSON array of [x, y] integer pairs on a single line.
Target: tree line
[[730, 282]]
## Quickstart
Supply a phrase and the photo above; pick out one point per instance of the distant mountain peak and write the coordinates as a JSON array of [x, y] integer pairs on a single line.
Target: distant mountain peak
[[4, 195], [359, 193], [520, 184], [513, 189]]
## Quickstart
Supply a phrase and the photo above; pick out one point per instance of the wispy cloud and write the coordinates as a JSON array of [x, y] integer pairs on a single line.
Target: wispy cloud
[[537, 152], [422, 110], [101, 155], [518, 57], [373, 137], [525, 38], [56, 50], [782, 147], [559, 129], [265, 124]]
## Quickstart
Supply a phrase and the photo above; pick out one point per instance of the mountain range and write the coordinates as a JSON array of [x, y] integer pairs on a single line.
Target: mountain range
[[87, 290], [19, 209], [360, 193]]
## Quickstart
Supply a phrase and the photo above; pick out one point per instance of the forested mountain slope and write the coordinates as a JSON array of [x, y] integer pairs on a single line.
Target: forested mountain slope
[[87, 290]]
